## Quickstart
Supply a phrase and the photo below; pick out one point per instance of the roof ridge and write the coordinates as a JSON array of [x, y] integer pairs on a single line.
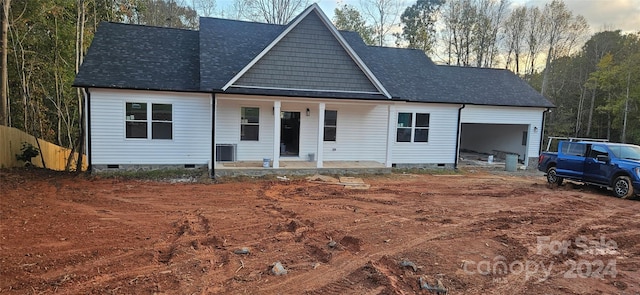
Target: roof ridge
[[240, 21], [475, 68], [150, 27]]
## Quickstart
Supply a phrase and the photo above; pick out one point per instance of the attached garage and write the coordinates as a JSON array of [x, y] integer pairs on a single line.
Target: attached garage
[[499, 131]]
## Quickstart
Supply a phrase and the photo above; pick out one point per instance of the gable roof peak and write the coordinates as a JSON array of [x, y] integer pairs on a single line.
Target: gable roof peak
[[304, 13], [336, 34]]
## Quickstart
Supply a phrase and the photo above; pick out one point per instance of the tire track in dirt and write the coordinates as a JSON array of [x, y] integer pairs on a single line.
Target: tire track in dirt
[[352, 267], [345, 264], [185, 237]]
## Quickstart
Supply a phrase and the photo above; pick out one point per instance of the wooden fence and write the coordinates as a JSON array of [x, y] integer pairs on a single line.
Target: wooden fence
[[55, 157]]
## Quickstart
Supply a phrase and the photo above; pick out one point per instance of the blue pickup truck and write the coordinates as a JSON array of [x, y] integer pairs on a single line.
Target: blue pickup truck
[[615, 166]]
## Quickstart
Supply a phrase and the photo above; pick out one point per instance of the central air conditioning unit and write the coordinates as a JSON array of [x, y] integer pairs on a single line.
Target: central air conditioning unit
[[225, 152]]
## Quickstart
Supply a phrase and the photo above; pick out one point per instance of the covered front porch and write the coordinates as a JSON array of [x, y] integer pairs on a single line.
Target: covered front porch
[[295, 134]]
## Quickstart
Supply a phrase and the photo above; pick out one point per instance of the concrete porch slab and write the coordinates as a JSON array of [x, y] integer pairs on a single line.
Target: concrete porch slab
[[254, 168]]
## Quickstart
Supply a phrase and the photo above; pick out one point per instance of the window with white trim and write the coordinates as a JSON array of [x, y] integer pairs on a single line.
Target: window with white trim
[[330, 125], [250, 124], [161, 121], [413, 127], [137, 118]]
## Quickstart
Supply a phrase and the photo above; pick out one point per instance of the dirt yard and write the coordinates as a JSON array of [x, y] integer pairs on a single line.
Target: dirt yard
[[471, 233]]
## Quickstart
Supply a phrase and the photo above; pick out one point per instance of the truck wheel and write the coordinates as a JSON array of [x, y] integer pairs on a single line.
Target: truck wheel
[[622, 187], [552, 177]]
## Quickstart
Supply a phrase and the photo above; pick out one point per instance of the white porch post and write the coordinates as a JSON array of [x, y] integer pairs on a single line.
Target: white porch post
[[276, 134], [391, 125], [319, 152]]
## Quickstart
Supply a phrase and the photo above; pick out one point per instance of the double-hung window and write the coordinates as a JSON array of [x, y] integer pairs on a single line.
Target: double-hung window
[[137, 118], [412, 127], [250, 124], [161, 121], [405, 125], [330, 125]]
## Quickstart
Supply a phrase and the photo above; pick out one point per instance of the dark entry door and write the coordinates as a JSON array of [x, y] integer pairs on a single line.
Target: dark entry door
[[289, 133]]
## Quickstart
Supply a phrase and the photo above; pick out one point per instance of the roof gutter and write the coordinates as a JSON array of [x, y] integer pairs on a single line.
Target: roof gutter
[[455, 165]]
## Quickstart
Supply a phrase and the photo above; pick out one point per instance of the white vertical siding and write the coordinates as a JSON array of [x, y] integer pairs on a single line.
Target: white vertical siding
[[441, 148], [191, 143], [532, 117]]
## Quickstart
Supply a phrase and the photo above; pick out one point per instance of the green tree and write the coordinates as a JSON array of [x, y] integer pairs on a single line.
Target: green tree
[[46, 41], [617, 78], [597, 92], [562, 32], [348, 18], [419, 24]]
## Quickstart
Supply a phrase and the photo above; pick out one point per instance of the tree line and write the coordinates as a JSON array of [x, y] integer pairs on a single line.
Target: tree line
[[594, 80]]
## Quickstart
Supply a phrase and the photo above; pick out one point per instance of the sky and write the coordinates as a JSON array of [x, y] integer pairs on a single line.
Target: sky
[[601, 14]]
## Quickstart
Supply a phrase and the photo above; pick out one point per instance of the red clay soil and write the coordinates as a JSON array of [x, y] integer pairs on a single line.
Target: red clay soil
[[476, 233]]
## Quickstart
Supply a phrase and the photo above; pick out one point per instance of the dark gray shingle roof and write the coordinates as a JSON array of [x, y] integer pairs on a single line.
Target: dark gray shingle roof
[[408, 74], [140, 57], [227, 46], [497, 87]]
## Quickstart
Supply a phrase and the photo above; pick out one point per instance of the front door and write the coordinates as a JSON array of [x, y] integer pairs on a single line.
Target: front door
[[289, 134]]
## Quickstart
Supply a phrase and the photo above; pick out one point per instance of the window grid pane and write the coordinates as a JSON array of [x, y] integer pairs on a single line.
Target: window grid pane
[[329, 133], [250, 115], [161, 112], [404, 135], [422, 120], [422, 135], [330, 118], [161, 130], [136, 129], [136, 111], [249, 132], [249, 123], [405, 119]]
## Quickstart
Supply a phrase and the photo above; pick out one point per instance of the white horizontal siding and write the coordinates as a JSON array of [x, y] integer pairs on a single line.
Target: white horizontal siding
[[361, 133], [228, 129], [441, 148], [191, 143], [532, 117], [361, 130]]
